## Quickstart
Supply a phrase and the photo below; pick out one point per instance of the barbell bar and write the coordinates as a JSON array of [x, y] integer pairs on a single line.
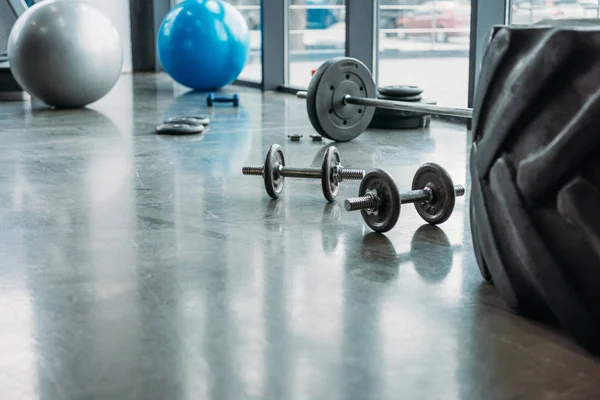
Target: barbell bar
[[403, 105], [342, 97]]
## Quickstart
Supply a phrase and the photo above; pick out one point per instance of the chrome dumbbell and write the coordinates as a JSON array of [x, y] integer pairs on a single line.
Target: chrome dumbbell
[[331, 173], [379, 200]]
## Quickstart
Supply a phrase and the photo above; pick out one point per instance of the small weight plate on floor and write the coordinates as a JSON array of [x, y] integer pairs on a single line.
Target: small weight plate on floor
[[189, 120], [273, 180], [441, 206], [179, 129], [328, 182], [414, 98], [400, 90], [397, 123], [325, 99], [311, 101], [385, 217]]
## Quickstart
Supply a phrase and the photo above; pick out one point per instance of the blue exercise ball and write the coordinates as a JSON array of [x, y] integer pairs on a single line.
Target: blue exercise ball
[[203, 44]]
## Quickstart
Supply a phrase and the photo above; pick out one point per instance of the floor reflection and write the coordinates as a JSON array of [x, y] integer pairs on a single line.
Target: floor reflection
[[146, 267]]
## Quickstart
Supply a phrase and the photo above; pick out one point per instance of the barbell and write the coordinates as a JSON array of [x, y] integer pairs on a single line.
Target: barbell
[[342, 96]]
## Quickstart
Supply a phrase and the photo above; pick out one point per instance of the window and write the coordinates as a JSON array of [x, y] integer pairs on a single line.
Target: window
[[251, 11], [533, 11], [317, 32], [426, 43]]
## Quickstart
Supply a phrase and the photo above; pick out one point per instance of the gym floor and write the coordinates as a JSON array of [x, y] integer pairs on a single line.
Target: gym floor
[[142, 266]]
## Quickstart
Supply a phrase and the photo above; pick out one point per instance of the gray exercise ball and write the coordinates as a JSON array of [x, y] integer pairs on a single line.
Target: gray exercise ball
[[66, 53]]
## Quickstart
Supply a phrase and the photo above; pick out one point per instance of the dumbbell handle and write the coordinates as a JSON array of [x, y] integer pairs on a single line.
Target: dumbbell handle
[[222, 99], [403, 105], [412, 196], [310, 173], [371, 201]]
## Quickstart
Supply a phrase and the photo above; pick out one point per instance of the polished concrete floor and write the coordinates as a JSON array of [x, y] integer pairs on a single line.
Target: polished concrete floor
[[139, 266]]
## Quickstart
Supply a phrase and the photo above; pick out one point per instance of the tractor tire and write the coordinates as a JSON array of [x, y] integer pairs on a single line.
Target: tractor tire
[[535, 172]]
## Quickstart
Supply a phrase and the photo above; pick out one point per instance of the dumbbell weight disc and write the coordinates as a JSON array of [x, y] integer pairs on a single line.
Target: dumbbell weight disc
[[396, 91], [330, 186], [440, 208], [389, 210], [273, 180], [342, 76]]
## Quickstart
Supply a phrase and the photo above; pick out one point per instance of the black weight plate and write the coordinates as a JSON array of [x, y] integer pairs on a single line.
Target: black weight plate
[[441, 206], [477, 247], [414, 98], [400, 90], [329, 182], [531, 256], [273, 180], [188, 120], [340, 121], [403, 113], [397, 123], [386, 216], [493, 260], [393, 113], [179, 129], [311, 99]]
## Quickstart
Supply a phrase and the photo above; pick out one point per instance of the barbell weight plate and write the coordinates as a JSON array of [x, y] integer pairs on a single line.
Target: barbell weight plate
[[414, 98], [386, 216], [396, 123], [325, 99], [393, 112], [273, 180], [311, 106], [179, 129], [328, 182], [396, 91], [440, 208]]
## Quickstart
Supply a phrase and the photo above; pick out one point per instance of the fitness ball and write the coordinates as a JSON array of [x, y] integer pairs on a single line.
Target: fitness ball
[[203, 44], [66, 53]]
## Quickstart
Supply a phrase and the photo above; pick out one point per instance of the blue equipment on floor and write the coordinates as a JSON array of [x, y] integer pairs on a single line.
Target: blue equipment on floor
[[203, 44]]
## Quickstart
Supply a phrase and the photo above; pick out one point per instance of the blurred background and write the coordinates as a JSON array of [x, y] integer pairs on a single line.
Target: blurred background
[[428, 40]]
